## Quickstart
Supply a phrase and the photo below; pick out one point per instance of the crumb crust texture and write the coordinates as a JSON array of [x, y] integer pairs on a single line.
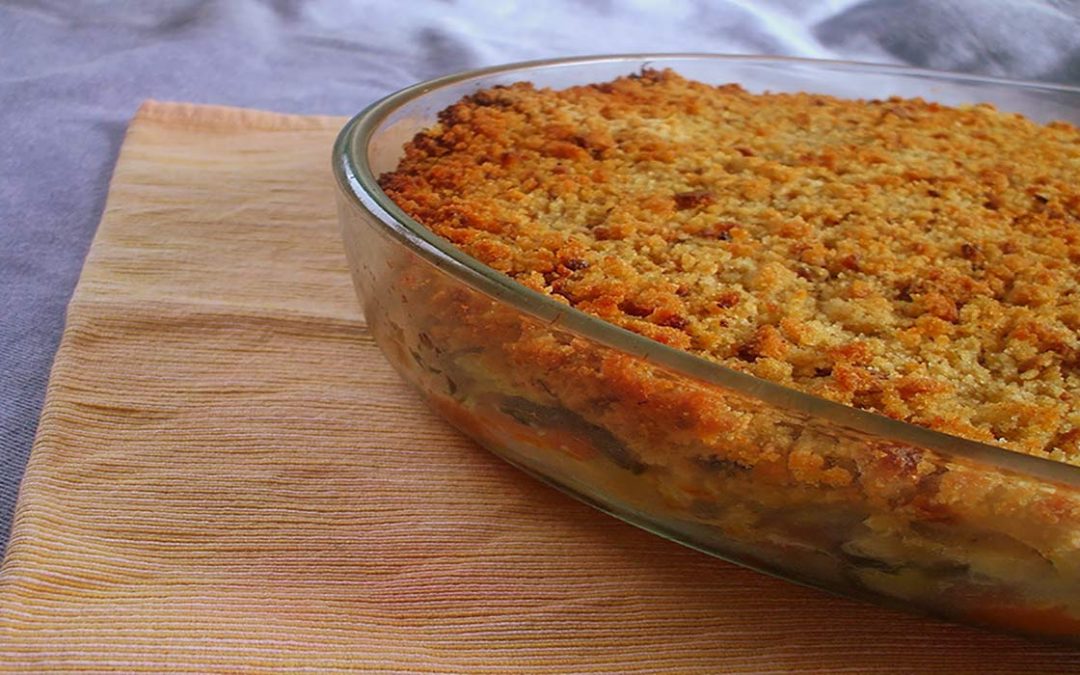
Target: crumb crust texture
[[899, 256]]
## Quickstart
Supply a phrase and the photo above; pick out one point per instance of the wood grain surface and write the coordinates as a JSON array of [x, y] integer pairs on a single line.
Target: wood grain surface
[[228, 477]]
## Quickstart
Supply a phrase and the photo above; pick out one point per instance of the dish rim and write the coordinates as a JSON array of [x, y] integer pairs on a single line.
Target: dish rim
[[356, 179]]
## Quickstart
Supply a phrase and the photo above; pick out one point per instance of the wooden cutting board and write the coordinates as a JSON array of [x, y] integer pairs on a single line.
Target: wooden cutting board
[[228, 477]]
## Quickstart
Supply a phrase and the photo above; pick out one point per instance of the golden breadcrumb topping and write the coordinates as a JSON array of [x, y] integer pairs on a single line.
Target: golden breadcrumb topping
[[899, 256]]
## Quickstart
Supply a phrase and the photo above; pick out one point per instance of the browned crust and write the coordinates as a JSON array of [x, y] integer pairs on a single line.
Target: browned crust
[[899, 256]]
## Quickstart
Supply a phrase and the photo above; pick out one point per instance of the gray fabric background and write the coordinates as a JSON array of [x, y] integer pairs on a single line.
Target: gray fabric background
[[73, 72]]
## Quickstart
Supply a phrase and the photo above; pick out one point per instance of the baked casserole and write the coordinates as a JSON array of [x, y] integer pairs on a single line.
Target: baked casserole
[[910, 259]]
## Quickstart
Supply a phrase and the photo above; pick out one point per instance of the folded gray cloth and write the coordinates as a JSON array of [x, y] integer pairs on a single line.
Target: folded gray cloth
[[72, 73]]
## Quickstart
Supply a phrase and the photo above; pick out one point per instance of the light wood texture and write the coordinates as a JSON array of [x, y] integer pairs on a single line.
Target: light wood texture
[[228, 477]]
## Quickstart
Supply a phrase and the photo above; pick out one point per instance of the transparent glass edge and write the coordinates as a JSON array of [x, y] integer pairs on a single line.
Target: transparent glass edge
[[357, 181]]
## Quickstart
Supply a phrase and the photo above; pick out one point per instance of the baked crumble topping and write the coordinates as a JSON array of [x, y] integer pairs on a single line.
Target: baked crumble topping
[[900, 256]]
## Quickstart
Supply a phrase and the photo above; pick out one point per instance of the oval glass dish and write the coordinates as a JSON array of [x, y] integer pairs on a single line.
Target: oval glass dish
[[738, 467]]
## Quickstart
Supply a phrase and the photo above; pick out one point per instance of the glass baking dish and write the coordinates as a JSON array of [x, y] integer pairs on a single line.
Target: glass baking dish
[[738, 467]]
